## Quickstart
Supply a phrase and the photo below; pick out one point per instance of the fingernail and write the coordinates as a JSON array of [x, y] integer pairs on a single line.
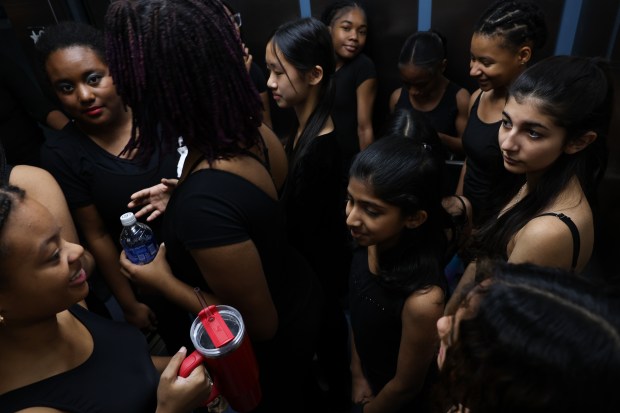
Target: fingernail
[[182, 350]]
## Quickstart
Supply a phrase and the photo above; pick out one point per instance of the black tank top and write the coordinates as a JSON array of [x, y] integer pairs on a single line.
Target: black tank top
[[443, 116], [573, 230], [484, 161]]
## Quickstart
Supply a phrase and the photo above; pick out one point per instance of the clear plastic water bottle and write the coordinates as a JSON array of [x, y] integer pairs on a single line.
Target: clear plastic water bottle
[[137, 240]]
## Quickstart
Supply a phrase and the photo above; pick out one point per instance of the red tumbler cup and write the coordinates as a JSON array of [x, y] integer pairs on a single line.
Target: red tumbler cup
[[232, 365]]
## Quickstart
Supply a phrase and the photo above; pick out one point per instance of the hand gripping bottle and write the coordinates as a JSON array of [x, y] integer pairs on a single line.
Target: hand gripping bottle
[[218, 334], [137, 240]]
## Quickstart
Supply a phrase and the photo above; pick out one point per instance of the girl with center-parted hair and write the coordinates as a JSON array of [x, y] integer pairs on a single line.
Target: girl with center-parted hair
[[531, 339], [426, 90], [355, 77], [223, 229], [300, 60], [553, 137], [397, 286]]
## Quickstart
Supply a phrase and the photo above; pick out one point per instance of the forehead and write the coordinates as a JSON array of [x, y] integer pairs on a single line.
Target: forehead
[[527, 109], [490, 46], [352, 14], [273, 54], [275, 58], [363, 190], [73, 57], [27, 220], [359, 187], [413, 72]]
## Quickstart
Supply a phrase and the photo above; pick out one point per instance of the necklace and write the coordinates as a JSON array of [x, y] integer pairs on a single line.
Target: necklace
[[513, 201]]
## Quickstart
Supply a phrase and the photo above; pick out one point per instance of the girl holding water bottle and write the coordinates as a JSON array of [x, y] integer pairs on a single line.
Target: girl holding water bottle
[[222, 229]]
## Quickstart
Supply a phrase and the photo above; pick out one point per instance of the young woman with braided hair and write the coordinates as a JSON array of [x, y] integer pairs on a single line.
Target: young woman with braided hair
[[505, 38], [426, 90], [51, 346], [180, 65], [531, 339]]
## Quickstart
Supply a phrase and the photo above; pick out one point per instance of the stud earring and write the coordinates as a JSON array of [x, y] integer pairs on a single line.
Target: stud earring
[[1, 319]]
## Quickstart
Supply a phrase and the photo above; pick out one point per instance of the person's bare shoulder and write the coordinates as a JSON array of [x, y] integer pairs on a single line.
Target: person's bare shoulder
[[545, 240]]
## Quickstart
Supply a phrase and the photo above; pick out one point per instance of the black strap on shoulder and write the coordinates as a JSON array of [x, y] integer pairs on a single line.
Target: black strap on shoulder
[[574, 231], [265, 162]]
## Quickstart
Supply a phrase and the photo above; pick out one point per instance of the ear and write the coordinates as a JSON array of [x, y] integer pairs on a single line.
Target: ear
[[415, 220], [443, 65], [524, 54], [315, 75], [580, 143]]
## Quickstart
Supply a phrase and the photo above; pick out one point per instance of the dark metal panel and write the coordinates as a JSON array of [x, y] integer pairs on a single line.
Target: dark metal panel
[[28, 16], [594, 38], [602, 16], [390, 22], [95, 10]]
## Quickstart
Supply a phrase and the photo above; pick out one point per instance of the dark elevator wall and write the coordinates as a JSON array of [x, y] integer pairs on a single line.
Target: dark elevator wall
[[588, 27]]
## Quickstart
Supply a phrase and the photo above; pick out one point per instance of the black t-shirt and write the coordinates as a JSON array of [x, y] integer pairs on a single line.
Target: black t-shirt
[[119, 375], [315, 219], [89, 175], [216, 208], [347, 79]]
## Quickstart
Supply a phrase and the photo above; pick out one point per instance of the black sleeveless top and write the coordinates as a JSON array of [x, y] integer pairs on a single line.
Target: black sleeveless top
[[485, 165], [443, 116], [573, 230]]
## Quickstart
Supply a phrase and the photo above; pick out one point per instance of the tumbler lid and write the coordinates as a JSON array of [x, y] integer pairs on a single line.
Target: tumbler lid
[[215, 326], [204, 343]]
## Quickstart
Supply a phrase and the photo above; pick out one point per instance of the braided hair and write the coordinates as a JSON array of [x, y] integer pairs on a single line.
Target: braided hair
[[517, 22], [338, 8], [535, 339], [426, 49], [8, 196], [179, 65]]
